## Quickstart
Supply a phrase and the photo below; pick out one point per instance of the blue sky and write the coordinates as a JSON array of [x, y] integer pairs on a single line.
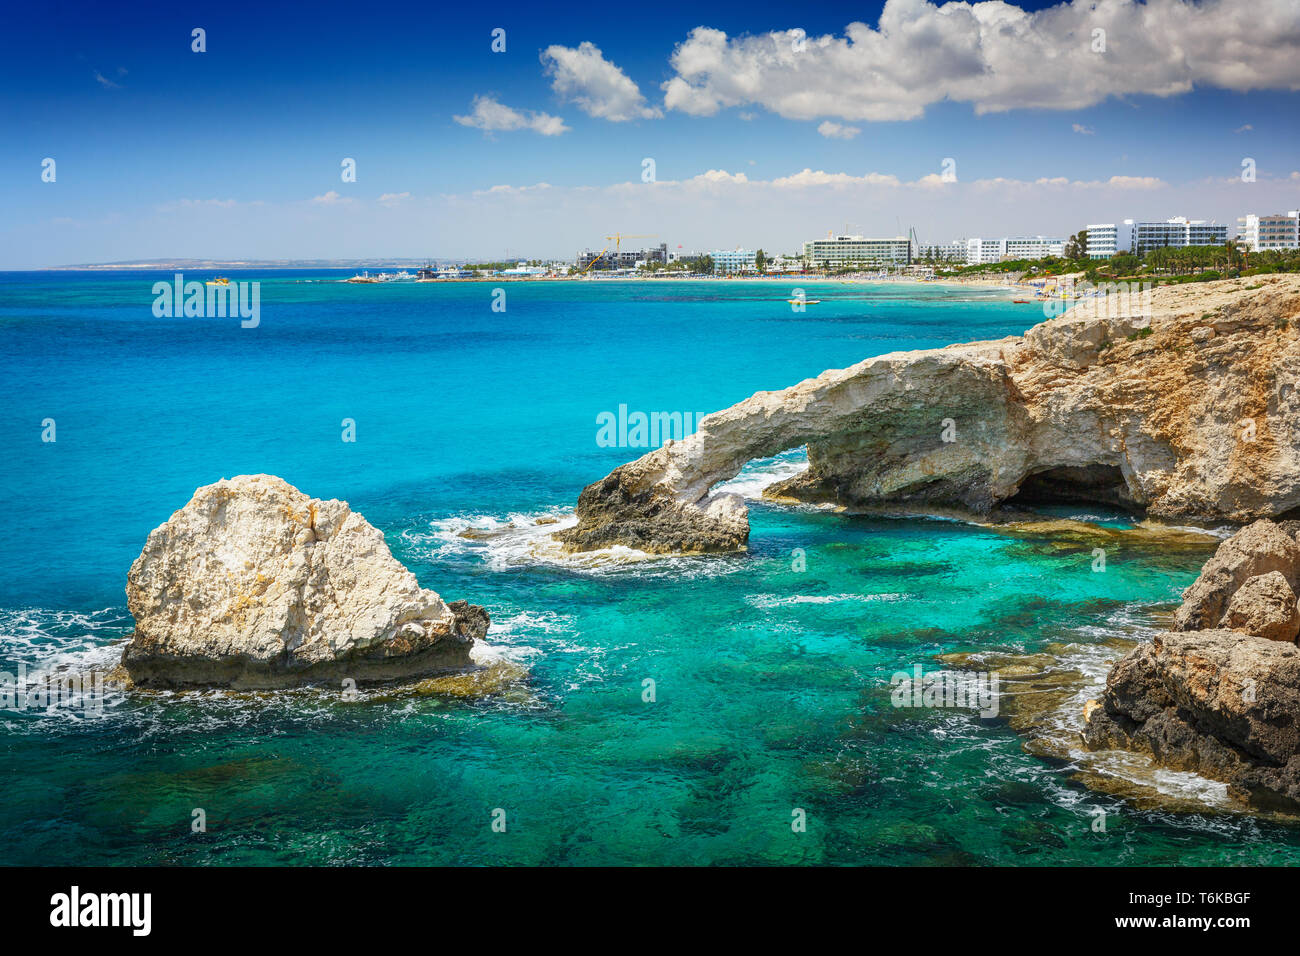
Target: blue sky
[[163, 152]]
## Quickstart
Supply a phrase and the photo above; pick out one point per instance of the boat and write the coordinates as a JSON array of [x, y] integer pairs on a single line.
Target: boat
[[1021, 301], [803, 301], [219, 280]]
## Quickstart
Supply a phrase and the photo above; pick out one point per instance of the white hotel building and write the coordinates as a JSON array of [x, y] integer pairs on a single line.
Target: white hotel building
[[845, 251], [1279, 231], [1105, 239], [973, 252], [734, 260]]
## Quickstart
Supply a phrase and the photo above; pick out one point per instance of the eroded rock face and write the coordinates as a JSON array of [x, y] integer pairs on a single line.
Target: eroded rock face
[[1221, 694], [1264, 606], [1257, 549], [253, 584], [1216, 702], [1190, 412]]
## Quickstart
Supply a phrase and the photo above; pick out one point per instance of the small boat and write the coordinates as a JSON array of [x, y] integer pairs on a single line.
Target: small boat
[[1021, 301], [219, 280], [803, 301]]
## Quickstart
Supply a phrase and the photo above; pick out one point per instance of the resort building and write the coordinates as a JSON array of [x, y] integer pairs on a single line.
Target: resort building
[[846, 251], [1259, 233], [1107, 238], [1032, 247], [734, 260], [621, 259], [978, 251]]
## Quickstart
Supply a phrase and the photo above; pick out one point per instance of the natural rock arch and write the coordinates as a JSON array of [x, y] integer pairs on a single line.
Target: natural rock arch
[[1162, 398]]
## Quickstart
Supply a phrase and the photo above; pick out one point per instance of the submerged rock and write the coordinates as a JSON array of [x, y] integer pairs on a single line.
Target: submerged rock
[[253, 584], [1221, 694], [1138, 411]]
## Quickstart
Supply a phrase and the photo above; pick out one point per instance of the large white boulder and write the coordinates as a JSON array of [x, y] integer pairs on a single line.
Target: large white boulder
[[253, 584]]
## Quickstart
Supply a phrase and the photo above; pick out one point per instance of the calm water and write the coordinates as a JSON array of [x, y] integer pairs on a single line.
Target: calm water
[[771, 683]]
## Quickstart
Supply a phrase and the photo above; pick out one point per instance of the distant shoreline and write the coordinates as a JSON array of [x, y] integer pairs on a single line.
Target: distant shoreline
[[992, 284]]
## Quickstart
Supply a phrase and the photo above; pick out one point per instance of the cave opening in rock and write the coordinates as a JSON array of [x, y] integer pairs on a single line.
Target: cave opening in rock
[[1076, 484]]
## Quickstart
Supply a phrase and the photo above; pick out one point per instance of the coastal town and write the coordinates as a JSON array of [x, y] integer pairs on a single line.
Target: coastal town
[[1129, 244]]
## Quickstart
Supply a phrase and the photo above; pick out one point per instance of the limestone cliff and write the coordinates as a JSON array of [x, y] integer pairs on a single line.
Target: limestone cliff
[[1183, 410], [253, 584]]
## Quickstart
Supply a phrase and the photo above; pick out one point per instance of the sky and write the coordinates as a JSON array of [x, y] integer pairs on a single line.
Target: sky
[[705, 126]]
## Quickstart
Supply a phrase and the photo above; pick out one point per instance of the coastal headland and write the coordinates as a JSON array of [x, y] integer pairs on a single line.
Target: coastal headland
[[1181, 407]]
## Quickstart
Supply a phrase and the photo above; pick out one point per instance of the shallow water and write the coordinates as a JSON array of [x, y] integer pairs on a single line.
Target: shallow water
[[771, 683]]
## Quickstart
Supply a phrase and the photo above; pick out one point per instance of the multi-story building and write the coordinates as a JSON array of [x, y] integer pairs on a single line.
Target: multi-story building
[[1032, 247], [1107, 238], [621, 259], [734, 260], [980, 251], [846, 251], [953, 253], [1259, 233]]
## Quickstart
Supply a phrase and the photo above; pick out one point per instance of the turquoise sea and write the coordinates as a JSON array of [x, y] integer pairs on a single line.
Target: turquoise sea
[[473, 429]]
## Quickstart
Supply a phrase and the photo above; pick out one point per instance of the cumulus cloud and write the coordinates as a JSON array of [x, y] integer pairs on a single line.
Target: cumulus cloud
[[832, 130], [597, 86], [491, 116], [1082, 130], [809, 177], [331, 198], [993, 55]]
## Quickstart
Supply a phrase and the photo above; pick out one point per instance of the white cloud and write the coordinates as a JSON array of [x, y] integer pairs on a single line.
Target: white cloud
[[833, 130], [809, 177], [601, 89], [1082, 130], [719, 176], [1243, 129], [393, 199], [105, 82], [492, 116], [993, 55], [331, 198]]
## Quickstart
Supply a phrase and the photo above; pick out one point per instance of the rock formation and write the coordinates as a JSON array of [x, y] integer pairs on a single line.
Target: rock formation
[[1184, 410], [1220, 695], [255, 585]]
